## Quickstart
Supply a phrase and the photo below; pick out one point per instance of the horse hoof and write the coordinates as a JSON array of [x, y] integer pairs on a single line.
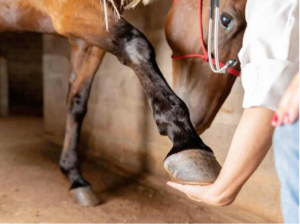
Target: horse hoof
[[193, 167], [85, 196]]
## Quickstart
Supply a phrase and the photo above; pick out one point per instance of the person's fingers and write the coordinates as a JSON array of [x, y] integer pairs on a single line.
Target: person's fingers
[[199, 194], [278, 117], [194, 199], [281, 115], [293, 110], [193, 192], [288, 109], [179, 187], [188, 189], [274, 120]]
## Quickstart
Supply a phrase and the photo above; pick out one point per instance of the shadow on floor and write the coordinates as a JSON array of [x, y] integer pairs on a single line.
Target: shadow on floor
[[34, 190]]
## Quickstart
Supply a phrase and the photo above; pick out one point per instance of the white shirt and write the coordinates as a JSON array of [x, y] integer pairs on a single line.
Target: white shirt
[[270, 53]]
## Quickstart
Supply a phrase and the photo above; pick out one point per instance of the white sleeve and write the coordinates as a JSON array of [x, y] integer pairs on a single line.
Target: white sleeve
[[270, 53]]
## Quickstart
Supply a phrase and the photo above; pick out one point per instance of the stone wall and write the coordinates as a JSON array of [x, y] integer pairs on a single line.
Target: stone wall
[[119, 125], [56, 70]]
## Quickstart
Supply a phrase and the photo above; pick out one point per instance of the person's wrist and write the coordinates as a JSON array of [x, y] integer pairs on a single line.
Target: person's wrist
[[219, 197]]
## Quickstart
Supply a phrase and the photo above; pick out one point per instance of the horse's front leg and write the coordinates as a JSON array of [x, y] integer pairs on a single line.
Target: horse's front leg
[[190, 161], [85, 62]]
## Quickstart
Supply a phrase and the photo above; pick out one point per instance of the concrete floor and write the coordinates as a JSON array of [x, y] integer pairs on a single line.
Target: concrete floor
[[32, 189]]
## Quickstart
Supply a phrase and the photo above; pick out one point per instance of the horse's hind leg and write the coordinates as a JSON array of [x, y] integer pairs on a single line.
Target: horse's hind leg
[[85, 62]]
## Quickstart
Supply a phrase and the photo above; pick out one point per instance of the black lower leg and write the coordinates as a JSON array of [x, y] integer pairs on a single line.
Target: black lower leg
[[69, 162], [170, 112]]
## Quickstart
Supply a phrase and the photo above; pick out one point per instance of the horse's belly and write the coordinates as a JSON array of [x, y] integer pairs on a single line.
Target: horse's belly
[[23, 15]]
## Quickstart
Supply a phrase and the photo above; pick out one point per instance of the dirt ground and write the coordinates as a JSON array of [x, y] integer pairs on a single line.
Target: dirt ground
[[32, 189]]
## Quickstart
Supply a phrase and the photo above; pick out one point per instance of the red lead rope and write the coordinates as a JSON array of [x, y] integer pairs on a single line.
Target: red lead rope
[[205, 55]]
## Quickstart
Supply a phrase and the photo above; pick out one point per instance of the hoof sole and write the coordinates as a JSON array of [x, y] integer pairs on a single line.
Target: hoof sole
[[85, 196], [193, 167]]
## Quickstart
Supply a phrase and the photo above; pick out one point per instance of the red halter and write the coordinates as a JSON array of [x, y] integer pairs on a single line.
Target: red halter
[[205, 55]]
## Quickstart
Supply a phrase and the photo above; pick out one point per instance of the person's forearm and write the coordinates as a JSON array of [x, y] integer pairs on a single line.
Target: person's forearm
[[249, 146]]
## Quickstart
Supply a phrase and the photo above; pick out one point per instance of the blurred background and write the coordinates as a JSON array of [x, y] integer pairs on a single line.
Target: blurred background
[[119, 128]]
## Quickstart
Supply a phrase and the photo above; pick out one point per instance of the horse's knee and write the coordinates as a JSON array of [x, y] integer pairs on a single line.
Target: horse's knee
[[134, 48]]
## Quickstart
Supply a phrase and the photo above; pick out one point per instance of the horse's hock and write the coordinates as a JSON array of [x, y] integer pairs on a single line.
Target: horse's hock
[[119, 126]]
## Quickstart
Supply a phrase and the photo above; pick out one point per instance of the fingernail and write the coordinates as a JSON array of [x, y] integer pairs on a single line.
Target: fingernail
[[286, 119], [274, 120]]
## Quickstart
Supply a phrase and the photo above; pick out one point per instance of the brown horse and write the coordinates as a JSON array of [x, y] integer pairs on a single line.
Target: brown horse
[[203, 91], [79, 22]]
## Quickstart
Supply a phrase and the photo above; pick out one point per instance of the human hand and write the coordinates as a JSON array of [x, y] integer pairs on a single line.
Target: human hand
[[288, 110], [205, 194]]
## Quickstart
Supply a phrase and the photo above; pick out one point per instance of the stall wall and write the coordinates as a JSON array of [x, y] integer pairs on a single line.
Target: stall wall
[[119, 125], [22, 62]]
